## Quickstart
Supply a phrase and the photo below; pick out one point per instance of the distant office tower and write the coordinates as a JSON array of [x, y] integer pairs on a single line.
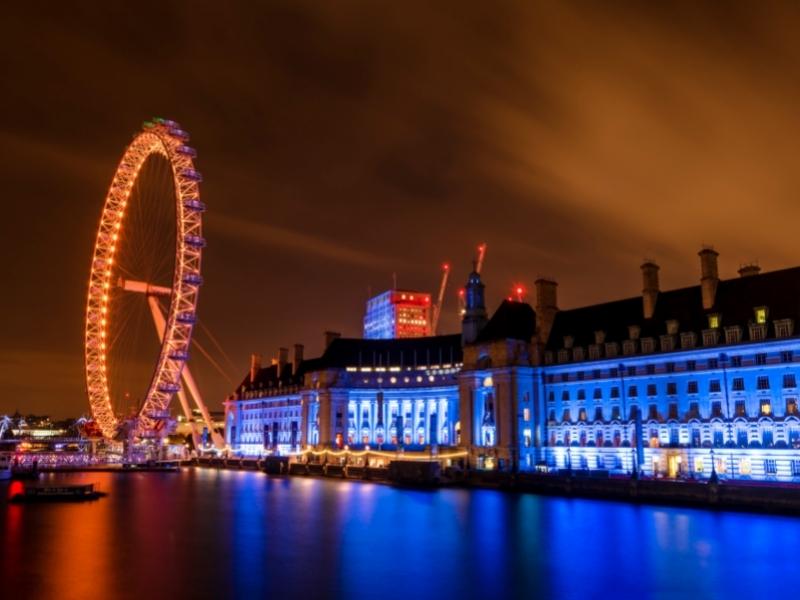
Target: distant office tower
[[398, 314]]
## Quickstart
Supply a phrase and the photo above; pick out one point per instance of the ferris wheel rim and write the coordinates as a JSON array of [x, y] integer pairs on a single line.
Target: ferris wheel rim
[[167, 139]]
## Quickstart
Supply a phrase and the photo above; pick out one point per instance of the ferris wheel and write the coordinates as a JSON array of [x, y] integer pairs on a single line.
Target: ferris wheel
[[118, 270]]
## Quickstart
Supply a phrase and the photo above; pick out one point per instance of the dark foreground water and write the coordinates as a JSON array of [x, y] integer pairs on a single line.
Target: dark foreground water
[[225, 534]]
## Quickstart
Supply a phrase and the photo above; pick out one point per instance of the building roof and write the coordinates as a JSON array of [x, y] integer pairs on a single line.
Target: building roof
[[400, 352], [511, 321], [735, 301]]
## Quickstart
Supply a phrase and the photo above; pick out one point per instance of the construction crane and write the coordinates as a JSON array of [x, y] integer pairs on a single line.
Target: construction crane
[[478, 267], [437, 308], [481, 255]]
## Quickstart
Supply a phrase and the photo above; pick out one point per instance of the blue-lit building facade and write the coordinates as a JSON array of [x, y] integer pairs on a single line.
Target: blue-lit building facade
[[670, 383]]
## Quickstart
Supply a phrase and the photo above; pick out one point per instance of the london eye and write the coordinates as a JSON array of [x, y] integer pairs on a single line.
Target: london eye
[[149, 246]]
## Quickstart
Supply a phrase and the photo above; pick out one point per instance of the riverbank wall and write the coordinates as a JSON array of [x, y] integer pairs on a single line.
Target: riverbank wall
[[730, 495]]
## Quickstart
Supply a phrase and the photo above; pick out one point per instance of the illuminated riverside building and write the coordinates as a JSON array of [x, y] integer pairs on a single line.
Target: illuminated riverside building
[[672, 383], [398, 314]]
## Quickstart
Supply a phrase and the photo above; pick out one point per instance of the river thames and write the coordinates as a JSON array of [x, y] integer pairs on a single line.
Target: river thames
[[226, 534]]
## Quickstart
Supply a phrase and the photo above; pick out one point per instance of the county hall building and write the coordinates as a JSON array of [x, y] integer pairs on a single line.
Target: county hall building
[[676, 383]]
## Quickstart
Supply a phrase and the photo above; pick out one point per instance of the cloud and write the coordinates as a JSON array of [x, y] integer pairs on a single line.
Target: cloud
[[254, 232]]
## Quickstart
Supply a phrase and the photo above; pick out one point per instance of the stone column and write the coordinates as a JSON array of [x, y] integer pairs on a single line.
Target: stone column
[[325, 418]]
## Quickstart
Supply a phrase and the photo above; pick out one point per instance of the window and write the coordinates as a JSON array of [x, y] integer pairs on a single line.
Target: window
[[770, 467], [672, 412], [598, 413], [710, 337], [581, 394], [736, 361], [629, 347], [613, 372], [786, 356], [594, 352], [577, 353], [633, 332], [762, 383], [672, 327], [789, 380], [615, 414], [551, 396], [652, 411], [691, 387], [713, 363], [694, 411], [551, 416], [579, 375], [648, 344], [765, 407], [766, 438], [567, 416], [615, 392], [740, 410], [757, 332], [688, 339], [784, 328], [612, 349], [672, 388], [631, 371], [582, 415], [791, 406], [674, 437], [691, 365], [651, 369], [733, 335], [598, 394], [526, 414], [713, 386], [761, 315], [796, 468], [651, 389], [738, 384], [670, 367], [596, 374], [761, 358], [741, 437], [565, 396], [667, 343], [716, 409], [713, 321], [633, 392]]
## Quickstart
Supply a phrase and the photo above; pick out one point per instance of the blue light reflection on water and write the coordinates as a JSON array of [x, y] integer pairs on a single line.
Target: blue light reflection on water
[[236, 534]]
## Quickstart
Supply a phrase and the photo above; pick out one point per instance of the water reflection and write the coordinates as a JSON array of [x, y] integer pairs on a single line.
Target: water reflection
[[219, 534]]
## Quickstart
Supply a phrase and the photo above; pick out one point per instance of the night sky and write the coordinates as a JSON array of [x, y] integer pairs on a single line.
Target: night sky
[[343, 141]]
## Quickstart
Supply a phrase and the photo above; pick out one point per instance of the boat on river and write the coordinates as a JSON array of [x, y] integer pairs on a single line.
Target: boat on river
[[57, 493], [5, 467]]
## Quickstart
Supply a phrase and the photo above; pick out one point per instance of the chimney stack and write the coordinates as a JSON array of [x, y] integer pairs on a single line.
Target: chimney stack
[[255, 366], [546, 307], [749, 270], [298, 357], [283, 359], [330, 336], [649, 288], [709, 278]]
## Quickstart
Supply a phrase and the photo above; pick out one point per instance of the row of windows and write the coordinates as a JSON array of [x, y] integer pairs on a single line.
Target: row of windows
[[739, 410], [783, 328], [787, 356], [652, 438], [692, 387]]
